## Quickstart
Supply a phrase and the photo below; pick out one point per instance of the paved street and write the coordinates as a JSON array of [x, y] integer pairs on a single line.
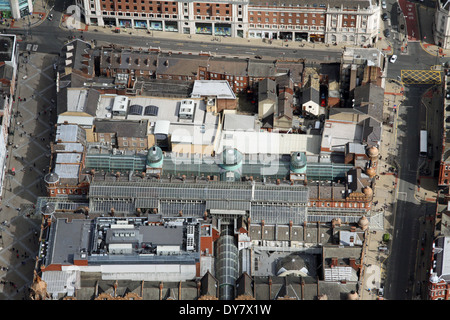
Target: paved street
[[28, 155]]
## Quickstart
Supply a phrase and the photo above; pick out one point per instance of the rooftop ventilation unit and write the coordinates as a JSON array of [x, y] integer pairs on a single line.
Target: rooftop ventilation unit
[[187, 108], [120, 105]]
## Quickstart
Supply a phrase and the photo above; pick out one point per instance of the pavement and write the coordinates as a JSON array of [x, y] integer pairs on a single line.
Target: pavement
[[28, 154]]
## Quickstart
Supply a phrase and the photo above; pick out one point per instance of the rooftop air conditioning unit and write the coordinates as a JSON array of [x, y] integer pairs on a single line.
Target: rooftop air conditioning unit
[[187, 108]]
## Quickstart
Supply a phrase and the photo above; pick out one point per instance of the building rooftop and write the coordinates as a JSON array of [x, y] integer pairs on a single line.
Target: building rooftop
[[337, 134], [273, 143], [216, 88], [234, 121], [7, 47]]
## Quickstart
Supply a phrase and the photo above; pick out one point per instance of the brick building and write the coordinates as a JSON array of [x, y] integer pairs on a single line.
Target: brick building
[[348, 21]]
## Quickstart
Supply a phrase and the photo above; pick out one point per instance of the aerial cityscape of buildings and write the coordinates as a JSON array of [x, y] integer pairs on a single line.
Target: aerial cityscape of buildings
[[306, 167]]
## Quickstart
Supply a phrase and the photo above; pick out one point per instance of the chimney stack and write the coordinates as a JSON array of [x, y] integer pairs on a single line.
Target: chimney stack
[[334, 262]]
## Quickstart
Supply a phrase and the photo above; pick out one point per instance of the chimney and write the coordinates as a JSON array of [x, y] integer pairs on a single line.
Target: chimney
[[353, 264], [262, 229], [304, 230], [290, 230], [334, 262], [160, 290], [198, 289]]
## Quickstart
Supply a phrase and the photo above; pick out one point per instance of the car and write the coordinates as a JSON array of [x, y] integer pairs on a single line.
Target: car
[[384, 16], [258, 57], [393, 58], [381, 291], [323, 100], [50, 17], [383, 4], [387, 33]]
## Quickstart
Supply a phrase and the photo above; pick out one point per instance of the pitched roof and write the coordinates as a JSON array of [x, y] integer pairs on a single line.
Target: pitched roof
[[369, 99], [267, 90], [285, 105], [123, 128], [310, 94]]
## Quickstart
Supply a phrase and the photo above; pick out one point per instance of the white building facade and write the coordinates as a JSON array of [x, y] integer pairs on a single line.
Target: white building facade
[[441, 24], [344, 21]]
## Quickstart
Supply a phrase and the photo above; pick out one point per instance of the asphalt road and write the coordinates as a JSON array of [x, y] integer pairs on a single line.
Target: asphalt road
[[50, 39]]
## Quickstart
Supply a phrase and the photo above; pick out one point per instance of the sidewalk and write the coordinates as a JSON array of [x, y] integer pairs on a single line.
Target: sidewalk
[[435, 50], [383, 44], [374, 262], [36, 18]]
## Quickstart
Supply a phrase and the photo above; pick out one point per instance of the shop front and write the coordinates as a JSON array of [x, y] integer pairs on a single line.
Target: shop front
[[203, 28], [156, 25], [171, 26], [286, 35], [140, 24], [317, 37], [301, 36], [125, 23], [222, 29], [109, 21]]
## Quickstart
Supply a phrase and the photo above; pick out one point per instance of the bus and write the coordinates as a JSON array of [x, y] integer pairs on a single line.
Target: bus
[[423, 143]]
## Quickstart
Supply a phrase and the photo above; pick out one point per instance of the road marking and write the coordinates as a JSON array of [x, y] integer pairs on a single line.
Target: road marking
[[421, 76]]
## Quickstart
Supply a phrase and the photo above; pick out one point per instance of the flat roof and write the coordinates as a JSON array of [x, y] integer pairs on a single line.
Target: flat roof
[[336, 134], [219, 88], [67, 240], [263, 142], [201, 129], [233, 121]]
